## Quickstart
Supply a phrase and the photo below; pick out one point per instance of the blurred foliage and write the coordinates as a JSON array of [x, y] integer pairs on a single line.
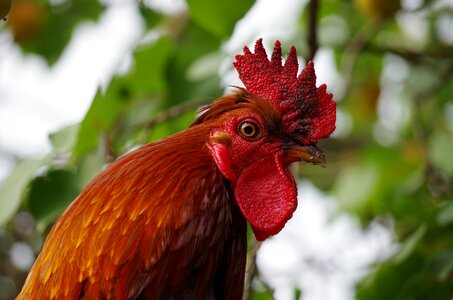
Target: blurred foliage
[[391, 156], [218, 17], [45, 28]]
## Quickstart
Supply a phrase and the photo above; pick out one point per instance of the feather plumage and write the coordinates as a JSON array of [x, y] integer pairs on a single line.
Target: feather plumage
[[141, 229]]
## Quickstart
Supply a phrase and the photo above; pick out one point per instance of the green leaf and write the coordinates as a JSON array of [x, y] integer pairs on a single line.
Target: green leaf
[[356, 185], [102, 113], [12, 188], [64, 140], [165, 129], [440, 147], [218, 17], [205, 67], [445, 214], [262, 295], [409, 245], [387, 281], [197, 43], [89, 166], [147, 76], [150, 16], [297, 294], [441, 265], [50, 194]]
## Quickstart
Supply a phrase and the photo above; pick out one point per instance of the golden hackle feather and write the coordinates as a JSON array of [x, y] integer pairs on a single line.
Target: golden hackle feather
[[158, 221]]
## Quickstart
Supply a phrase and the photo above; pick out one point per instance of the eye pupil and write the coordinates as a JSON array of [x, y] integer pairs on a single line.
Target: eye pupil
[[248, 130]]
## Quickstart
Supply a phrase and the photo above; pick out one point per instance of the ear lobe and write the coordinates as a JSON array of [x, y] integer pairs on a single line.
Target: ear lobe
[[218, 146]]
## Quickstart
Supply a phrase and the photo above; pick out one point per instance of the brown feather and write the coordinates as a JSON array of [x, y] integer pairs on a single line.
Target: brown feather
[[159, 222]]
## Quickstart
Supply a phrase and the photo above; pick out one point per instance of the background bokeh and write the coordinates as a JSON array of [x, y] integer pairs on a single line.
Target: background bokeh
[[82, 82]]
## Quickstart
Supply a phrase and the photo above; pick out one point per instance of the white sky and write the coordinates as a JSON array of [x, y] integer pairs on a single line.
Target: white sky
[[322, 251], [323, 257]]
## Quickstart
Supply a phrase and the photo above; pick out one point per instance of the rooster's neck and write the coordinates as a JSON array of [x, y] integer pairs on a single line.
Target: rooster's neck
[[206, 233]]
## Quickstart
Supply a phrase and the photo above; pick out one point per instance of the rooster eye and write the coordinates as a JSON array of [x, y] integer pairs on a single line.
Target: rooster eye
[[248, 130]]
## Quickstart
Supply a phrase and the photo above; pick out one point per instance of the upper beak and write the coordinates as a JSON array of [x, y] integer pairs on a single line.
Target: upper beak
[[309, 153]]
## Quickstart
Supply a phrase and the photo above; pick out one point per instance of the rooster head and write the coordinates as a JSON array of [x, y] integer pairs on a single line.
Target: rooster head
[[259, 130]]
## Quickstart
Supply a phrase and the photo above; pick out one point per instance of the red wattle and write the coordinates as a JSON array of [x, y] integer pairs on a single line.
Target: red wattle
[[267, 196]]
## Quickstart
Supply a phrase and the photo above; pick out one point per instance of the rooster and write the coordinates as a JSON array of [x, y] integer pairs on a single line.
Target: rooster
[[169, 220]]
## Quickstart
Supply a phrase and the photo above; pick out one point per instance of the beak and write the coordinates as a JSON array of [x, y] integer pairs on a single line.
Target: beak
[[309, 153]]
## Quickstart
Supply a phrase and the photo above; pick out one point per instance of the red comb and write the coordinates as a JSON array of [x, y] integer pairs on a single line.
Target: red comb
[[308, 112]]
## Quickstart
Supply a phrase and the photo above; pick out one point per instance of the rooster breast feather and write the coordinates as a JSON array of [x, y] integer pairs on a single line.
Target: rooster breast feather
[[143, 228]]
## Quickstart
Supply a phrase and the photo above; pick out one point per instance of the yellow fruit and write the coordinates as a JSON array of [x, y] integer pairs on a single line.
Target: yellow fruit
[[378, 9], [26, 19], [5, 6]]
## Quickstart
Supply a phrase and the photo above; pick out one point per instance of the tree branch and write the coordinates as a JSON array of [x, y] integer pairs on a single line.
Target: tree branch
[[250, 271], [410, 55], [172, 112], [437, 182], [166, 115], [109, 152], [312, 37]]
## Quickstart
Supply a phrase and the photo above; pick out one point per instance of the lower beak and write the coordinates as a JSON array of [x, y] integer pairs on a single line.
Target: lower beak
[[310, 153]]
